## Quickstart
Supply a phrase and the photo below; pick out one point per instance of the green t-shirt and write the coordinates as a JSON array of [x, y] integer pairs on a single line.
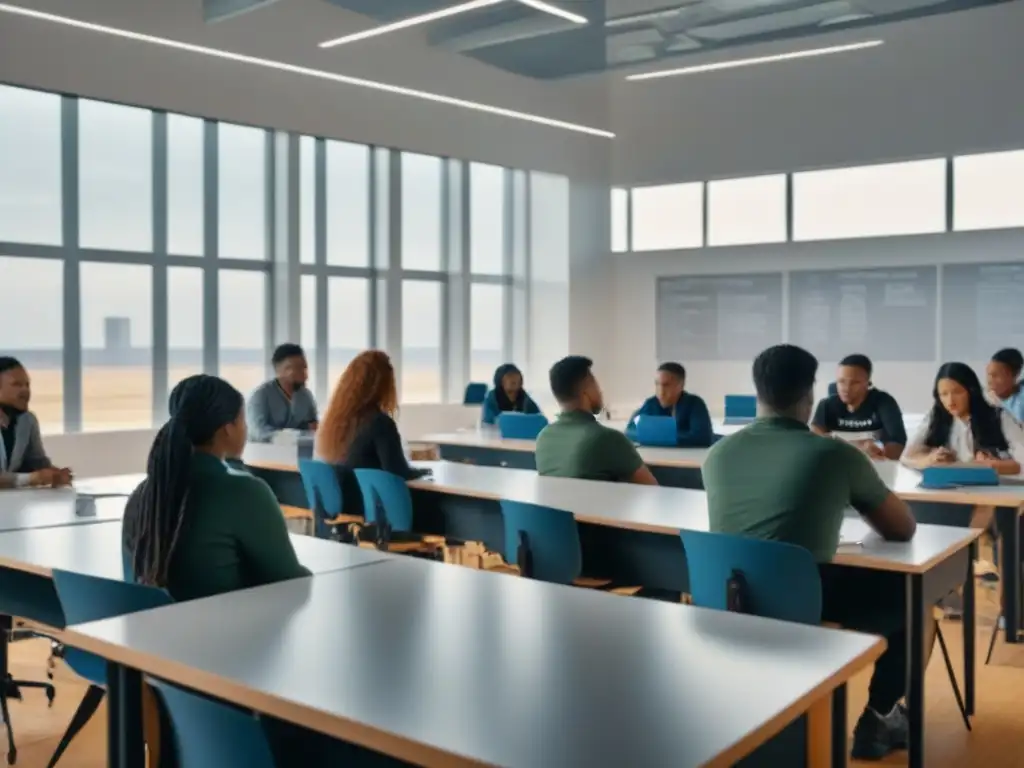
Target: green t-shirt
[[777, 480], [576, 445]]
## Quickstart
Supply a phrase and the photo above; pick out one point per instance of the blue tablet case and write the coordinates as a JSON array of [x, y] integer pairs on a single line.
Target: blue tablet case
[[740, 409], [656, 430], [957, 477]]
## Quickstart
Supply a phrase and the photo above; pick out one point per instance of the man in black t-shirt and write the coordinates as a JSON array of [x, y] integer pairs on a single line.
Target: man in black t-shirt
[[858, 413]]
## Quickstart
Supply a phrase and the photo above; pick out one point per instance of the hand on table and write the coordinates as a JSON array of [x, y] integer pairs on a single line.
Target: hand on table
[[872, 449], [53, 477], [940, 456]]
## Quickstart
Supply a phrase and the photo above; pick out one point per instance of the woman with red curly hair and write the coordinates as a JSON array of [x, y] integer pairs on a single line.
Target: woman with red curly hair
[[358, 429]]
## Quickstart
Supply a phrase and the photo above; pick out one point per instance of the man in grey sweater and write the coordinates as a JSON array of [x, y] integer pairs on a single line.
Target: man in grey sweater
[[283, 402], [23, 461]]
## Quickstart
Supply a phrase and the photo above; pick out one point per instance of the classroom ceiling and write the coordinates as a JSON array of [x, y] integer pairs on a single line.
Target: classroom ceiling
[[517, 37]]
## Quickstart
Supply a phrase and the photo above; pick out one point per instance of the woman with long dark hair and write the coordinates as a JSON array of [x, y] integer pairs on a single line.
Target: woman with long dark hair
[[196, 527], [963, 426], [507, 395]]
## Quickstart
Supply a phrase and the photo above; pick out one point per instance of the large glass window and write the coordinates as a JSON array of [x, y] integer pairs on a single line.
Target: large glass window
[[870, 201], [487, 326], [37, 336], [746, 211], [241, 192], [244, 359], [487, 219], [421, 212], [620, 220], [307, 199], [115, 176], [348, 204], [30, 175], [668, 217], [185, 317], [421, 341], [348, 322], [307, 333], [117, 346], [988, 190], [185, 186]]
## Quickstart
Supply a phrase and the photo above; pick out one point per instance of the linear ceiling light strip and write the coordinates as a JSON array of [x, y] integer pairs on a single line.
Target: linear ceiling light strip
[[412, 21], [555, 10], [306, 71], [732, 64]]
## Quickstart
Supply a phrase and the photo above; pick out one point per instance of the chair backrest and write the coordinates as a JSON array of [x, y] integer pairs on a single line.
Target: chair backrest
[[88, 598], [833, 390], [208, 734], [781, 580], [551, 537], [521, 426], [322, 486], [475, 394], [383, 491], [656, 430], [740, 406]]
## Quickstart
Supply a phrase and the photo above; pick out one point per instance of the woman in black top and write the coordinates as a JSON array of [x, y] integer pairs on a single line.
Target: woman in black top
[[358, 430]]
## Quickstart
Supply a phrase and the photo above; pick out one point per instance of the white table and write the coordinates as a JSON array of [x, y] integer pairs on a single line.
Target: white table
[[444, 666]]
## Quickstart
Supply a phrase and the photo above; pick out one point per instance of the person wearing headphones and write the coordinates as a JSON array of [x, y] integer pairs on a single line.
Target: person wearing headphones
[[860, 414]]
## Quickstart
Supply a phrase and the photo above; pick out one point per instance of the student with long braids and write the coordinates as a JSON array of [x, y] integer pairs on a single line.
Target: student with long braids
[[196, 527], [963, 426]]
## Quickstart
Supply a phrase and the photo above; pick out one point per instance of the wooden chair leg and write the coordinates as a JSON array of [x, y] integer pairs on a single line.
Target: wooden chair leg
[[151, 726]]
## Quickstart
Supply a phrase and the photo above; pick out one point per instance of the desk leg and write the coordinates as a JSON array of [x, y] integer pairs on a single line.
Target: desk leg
[[970, 621], [125, 743], [839, 727], [915, 666], [819, 733], [1008, 522]]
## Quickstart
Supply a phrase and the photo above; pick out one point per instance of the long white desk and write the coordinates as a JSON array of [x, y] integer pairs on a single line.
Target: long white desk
[[438, 665]]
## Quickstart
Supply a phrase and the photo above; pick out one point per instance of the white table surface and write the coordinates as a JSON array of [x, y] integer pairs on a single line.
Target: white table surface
[[447, 666], [95, 550], [660, 509]]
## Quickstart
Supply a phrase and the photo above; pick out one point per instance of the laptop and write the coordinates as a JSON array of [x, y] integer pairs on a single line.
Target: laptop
[[740, 409], [656, 430]]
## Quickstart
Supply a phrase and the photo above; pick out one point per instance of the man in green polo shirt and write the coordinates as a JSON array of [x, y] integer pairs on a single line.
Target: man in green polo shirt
[[775, 479], [575, 444]]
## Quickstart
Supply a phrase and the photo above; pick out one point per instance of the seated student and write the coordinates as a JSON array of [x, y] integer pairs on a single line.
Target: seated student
[[779, 481], [23, 461], [284, 402], [860, 414], [508, 395], [1003, 374], [693, 423], [196, 527], [359, 429], [962, 426], [575, 444]]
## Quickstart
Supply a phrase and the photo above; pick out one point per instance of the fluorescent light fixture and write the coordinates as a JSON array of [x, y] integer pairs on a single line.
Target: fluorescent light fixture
[[755, 61], [305, 71], [412, 21], [625, 21], [555, 10]]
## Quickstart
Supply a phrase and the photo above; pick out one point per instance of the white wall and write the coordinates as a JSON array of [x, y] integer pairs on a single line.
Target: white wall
[[938, 86]]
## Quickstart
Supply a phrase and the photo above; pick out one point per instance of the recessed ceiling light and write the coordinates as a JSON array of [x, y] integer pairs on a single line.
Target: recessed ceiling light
[[306, 71], [555, 10], [754, 61], [412, 21]]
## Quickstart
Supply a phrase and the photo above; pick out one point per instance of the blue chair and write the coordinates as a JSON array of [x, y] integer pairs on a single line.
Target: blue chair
[[208, 734], [833, 390], [521, 426], [475, 394], [324, 495], [545, 544], [781, 580], [87, 598], [385, 496], [657, 431]]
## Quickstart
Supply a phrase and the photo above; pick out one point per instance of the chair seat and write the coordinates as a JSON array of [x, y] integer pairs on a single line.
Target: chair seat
[[346, 520], [604, 584], [296, 513]]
